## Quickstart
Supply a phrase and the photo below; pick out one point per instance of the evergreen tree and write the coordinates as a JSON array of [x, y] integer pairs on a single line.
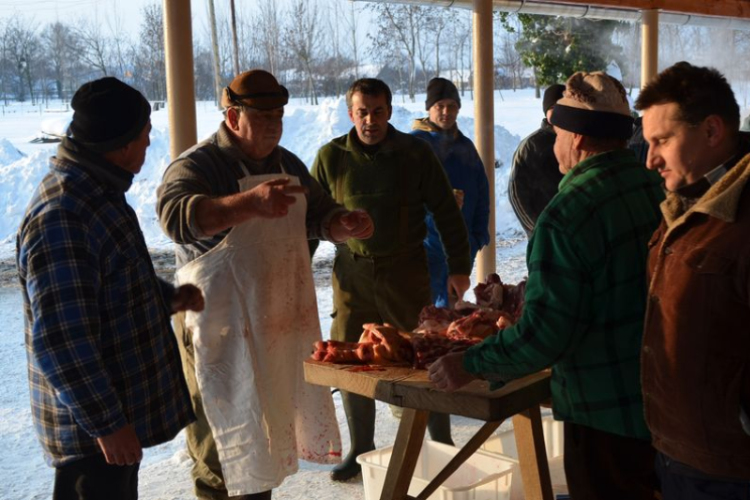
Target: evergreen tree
[[557, 47]]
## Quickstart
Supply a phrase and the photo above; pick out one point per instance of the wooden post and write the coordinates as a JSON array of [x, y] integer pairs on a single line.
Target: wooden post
[[178, 42], [649, 45], [484, 118]]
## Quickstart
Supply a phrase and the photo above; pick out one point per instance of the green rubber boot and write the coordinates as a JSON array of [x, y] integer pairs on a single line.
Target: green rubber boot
[[360, 415]]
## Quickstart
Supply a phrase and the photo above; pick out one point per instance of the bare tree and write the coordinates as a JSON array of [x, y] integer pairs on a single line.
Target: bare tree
[[267, 29], [508, 60], [302, 37], [151, 73], [58, 40], [402, 24], [22, 48], [95, 47], [352, 27]]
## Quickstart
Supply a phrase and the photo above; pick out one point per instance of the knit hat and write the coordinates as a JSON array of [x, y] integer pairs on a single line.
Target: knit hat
[[255, 89], [552, 94], [595, 105], [439, 89], [108, 114]]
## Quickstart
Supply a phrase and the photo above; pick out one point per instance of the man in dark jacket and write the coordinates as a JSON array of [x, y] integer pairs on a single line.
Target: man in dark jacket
[[585, 298], [535, 174], [696, 349], [104, 368], [465, 171], [396, 178]]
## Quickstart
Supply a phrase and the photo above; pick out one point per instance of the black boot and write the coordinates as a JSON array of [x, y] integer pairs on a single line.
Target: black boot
[[360, 415], [439, 425]]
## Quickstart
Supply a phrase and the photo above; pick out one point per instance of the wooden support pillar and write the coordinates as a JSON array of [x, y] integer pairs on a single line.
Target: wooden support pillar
[[178, 42], [484, 118], [649, 45]]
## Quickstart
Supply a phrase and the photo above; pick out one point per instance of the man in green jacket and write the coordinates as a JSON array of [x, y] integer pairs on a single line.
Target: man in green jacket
[[585, 298], [393, 177]]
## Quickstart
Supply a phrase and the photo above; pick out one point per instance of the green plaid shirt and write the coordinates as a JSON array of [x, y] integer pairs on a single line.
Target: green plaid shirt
[[586, 296]]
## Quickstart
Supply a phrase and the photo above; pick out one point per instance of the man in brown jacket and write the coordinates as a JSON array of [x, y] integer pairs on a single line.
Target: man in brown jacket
[[696, 347]]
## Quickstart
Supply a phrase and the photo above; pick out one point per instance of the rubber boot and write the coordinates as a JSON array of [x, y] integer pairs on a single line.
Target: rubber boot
[[360, 415], [439, 425]]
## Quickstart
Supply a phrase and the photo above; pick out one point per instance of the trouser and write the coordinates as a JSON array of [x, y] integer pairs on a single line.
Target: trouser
[[207, 475], [92, 478], [375, 290], [604, 466], [682, 482], [379, 290]]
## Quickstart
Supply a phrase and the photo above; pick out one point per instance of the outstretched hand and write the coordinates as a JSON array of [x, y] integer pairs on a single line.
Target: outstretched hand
[[272, 199], [188, 298], [355, 224]]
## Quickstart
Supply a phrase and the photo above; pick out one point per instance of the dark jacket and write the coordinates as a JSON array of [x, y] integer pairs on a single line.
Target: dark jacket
[[696, 346], [585, 297], [465, 171], [534, 176], [100, 347]]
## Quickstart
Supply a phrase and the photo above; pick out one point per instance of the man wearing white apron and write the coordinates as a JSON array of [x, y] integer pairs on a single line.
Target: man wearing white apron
[[241, 209]]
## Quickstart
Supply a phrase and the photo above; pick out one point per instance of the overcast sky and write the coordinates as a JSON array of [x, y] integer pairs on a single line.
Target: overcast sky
[[101, 11]]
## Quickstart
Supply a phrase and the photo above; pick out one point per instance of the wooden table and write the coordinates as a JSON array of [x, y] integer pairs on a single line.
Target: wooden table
[[412, 390]]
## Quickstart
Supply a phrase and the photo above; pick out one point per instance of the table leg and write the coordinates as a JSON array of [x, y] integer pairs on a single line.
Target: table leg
[[532, 456], [405, 453]]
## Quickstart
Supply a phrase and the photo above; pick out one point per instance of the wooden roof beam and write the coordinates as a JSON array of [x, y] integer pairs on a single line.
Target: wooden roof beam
[[717, 8]]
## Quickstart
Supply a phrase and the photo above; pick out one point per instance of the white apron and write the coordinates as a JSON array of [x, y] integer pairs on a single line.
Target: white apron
[[259, 323]]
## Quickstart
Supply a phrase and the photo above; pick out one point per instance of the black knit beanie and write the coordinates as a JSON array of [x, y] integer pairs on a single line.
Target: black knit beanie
[[553, 94], [108, 114], [439, 89]]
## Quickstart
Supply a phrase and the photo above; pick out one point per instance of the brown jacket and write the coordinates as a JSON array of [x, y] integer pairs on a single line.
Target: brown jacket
[[696, 345]]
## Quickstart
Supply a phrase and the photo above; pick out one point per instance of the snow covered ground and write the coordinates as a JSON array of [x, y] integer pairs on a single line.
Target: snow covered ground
[[165, 471]]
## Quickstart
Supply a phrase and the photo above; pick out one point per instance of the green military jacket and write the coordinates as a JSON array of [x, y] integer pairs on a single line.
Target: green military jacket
[[586, 296], [394, 185]]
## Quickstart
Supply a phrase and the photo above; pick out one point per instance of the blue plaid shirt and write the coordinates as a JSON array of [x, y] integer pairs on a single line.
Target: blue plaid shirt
[[100, 347]]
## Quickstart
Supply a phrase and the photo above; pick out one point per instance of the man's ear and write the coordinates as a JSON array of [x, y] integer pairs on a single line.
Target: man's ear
[[715, 129], [233, 118], [579, 141]]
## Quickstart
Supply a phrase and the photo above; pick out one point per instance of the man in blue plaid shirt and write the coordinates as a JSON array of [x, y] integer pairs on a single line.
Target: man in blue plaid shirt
[[104, 370]]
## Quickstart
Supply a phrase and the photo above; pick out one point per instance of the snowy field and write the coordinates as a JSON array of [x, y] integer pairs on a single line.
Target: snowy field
[[165, 471]]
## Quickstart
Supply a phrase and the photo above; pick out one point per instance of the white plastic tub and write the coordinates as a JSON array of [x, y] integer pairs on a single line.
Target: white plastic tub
[[484, 476]]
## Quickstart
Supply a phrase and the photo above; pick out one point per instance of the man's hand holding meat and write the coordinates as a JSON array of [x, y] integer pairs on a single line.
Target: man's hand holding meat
[[457, 285], [448, 373], [355, 224]]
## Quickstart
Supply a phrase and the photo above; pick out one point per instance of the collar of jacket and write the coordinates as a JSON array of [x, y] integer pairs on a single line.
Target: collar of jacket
[[720, 201], [425, 125], [113, 176], [394, 140], [227, 144], [546, 126], [599, 160]]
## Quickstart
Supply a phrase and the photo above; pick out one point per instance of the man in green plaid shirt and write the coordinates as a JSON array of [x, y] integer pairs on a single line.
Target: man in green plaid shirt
[[585, 298]]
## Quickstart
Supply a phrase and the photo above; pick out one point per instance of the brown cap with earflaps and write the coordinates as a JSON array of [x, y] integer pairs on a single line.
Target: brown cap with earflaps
[[257, 89]]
